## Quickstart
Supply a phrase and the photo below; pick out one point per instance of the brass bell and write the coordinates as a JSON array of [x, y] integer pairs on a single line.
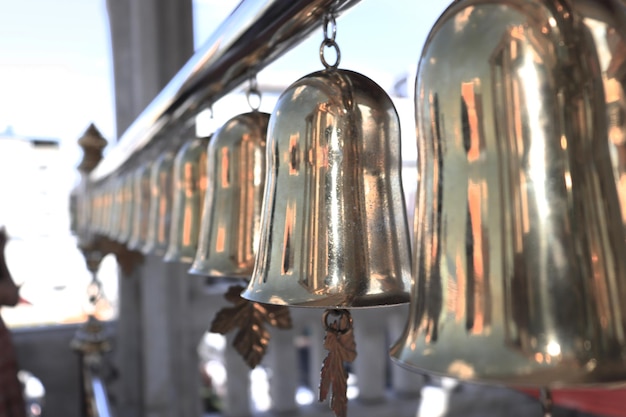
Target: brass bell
[[126, 217], [231, 217], [519, 265], [141, 196], [190, 182], [117, 208], [161, 196], [334, 231], [107, 208]]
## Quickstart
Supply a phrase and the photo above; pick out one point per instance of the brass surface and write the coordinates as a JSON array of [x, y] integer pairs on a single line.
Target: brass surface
[[520, 257], [231, 220], [141, 216], [190, 182], [161, 199], [334, 229], [126, 215]]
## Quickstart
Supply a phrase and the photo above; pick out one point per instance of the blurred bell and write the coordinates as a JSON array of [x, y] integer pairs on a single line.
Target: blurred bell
[[141, 196], [190, 182], [519, 265], [161, 196], [126, 217], [334, 230], [108, 209], [116, 212], [231, 217]]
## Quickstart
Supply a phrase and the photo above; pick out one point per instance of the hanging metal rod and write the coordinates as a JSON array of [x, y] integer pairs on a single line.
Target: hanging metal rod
[[255, 34]]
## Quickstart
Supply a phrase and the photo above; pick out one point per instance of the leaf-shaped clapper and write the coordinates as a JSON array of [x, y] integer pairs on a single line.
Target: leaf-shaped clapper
[[339, 341], [252, 338]]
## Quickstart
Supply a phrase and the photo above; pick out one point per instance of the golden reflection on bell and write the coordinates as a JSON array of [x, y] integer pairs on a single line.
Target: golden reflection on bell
[[161, 197], [519, 265], [107, 208], [190, 182], [231, 217], [141, 215], [334, 230], [126, 216]]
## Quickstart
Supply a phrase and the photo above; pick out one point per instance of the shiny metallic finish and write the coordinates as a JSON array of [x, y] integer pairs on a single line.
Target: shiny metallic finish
[[126, 217], [520, 265], [141, 216], [231, 220], [161, 199], [190, 183], [334, 229], [107, 209]]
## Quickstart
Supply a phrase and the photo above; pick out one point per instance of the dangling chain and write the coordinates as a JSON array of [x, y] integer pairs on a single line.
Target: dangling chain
[[94, 290], [330, 32]]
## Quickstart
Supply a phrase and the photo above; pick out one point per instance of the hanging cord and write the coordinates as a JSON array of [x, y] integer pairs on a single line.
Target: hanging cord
[[330, 33], [253, 95]]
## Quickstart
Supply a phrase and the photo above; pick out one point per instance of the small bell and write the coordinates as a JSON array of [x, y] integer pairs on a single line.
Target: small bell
[[231, 218], [334, 231], [161, 196], [190, 182], [141, 196], [126, 220]]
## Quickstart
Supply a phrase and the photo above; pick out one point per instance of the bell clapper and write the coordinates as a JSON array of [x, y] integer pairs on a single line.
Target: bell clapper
[[546, 402], [339, 341]]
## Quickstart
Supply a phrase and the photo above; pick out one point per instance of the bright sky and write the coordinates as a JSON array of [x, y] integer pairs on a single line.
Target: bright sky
[[55, 66]]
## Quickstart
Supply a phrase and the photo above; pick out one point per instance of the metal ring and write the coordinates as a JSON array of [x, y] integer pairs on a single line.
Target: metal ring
[[330, 19], [330, 43], [252, 94], [342, 325]]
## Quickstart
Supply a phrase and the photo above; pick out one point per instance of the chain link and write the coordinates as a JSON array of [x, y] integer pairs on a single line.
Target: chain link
[[253, 95], [330, 33]]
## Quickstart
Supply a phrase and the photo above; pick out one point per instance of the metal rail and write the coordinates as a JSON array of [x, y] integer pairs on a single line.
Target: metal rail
[[255, 34]]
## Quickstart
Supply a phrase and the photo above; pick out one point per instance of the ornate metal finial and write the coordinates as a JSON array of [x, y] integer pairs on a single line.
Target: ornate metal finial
[[92, 338], [92, 143]]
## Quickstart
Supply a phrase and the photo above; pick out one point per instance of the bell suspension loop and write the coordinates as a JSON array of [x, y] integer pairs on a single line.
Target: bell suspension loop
[[330, 33]]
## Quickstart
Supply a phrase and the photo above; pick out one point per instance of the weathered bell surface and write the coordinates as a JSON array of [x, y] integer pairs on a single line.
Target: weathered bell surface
[[190, 182], [231, 219], [126, 218], [519, 265], [141, 195], [334, 229], [161, 199]]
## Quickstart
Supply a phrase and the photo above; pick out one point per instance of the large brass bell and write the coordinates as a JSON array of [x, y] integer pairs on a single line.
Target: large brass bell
[[161, 197], [334, 230], [190, 182], [231, 218], [519, 264], [141, 215]]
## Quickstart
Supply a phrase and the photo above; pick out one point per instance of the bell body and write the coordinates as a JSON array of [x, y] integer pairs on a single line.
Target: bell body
[[190, 182], [161, 198], [141, 195], [118, 202], [334, 231], [126, 220], [231, 218], [520, 255]]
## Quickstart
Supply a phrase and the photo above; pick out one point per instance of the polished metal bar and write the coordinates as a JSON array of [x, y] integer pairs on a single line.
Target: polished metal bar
[[255, 34]]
